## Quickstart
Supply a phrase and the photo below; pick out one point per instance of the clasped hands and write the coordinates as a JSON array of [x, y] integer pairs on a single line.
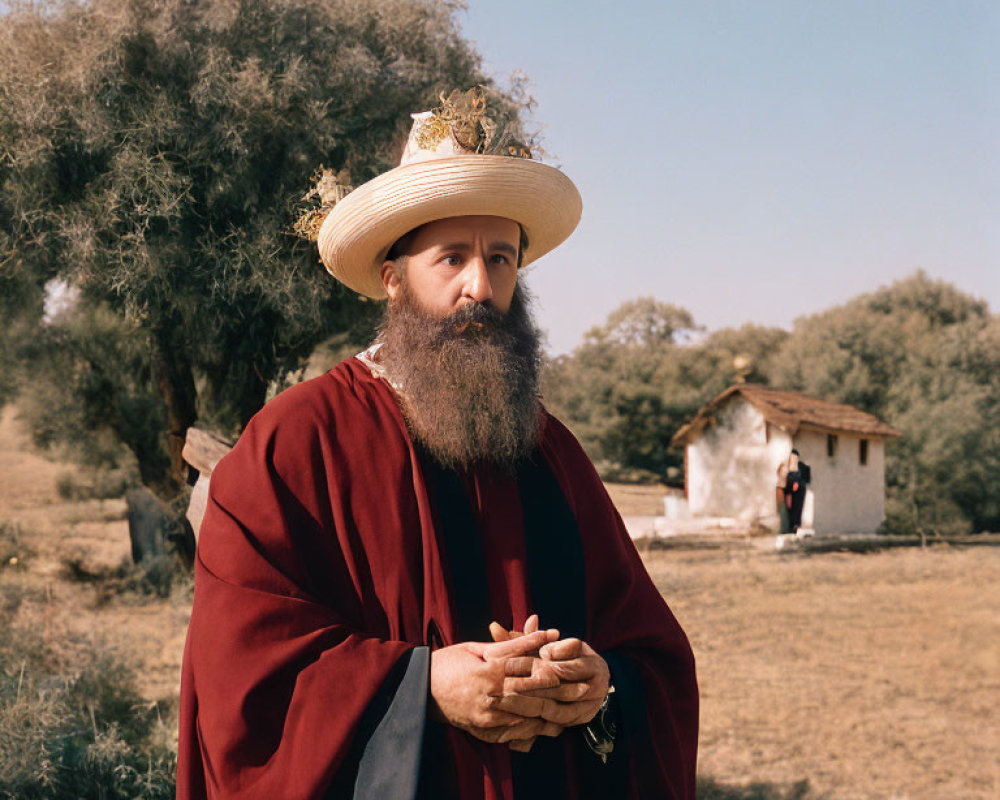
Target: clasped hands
[[521, 686]]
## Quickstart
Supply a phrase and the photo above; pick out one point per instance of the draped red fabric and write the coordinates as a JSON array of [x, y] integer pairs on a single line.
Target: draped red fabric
[[318, 568]]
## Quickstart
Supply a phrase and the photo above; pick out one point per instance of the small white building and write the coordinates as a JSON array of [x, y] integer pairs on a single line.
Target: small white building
[[735, 444]]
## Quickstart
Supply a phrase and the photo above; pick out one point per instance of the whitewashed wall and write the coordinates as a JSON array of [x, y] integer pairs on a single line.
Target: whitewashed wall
[[847, 497], [732, 472], [732, 467]]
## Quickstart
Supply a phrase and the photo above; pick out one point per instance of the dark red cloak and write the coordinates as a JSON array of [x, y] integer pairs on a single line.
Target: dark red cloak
[[320, 571]]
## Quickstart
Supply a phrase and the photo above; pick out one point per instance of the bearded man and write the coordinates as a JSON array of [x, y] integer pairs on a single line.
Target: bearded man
[[381, 544]]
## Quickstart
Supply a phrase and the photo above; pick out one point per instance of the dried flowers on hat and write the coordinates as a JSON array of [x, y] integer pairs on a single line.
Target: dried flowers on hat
[[328, 189], [460, 125]]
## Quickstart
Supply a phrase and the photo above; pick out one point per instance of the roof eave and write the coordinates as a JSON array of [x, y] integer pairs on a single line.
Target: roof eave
[[891, 433]]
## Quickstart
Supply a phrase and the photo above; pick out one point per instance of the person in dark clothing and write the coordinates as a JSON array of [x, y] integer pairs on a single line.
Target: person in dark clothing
[[795, 490]]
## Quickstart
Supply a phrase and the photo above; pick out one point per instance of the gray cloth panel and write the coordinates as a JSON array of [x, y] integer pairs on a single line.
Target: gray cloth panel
[[390, 763]]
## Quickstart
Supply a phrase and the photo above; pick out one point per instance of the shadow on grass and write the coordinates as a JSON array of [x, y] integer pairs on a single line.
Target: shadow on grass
[[709, 789]]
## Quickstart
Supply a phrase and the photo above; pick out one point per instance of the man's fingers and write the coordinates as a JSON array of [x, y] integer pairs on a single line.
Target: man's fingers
[[521, 646], [563, 714], [529, 666], [520, 666], [521, 745], [525, 673], [521, 705], [529, 686], [564, 693], [499, 632], [562, 650], [507, 710], [528, 729], [495, 717], [585, 668]]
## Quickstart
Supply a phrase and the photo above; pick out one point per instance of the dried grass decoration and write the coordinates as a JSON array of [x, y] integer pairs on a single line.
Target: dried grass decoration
[[329, 188], [462, 118]]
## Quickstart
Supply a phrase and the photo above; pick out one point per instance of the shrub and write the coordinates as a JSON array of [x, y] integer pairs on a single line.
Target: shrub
[[13, 552], [73, 724], [154, 578], [100, 484]]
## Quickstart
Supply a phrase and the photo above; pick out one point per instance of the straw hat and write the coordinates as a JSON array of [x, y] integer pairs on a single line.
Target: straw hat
[[454, 164]]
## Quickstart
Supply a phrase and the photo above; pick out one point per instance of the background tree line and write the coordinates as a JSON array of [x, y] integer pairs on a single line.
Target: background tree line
[[919, 354]]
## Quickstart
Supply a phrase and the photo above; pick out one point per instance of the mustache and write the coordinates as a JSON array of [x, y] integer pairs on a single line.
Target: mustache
[[469, 379], [471, 319]]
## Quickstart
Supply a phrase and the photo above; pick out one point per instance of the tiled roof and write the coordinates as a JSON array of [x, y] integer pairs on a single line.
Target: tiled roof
[[789, 411]]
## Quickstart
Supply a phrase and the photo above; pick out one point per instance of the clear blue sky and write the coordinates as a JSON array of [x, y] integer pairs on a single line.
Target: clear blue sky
[[756, 161]]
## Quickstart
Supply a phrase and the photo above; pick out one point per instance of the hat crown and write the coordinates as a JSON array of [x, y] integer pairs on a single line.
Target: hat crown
[[417, 148]]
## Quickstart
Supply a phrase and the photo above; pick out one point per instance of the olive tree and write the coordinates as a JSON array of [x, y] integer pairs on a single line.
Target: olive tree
[[153, 157]]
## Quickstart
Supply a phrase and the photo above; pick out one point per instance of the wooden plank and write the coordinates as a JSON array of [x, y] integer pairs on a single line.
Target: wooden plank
[[203, 450]]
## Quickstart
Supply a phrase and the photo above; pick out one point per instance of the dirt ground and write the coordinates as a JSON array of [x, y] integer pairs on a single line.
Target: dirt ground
[[634, 500], [37, 592], [872, 677]]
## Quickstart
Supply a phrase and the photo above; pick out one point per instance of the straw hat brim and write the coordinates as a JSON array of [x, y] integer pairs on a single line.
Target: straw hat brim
[[358, 232]]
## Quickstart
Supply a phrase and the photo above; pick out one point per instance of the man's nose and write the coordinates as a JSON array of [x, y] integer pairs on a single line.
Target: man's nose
[[478, 287]]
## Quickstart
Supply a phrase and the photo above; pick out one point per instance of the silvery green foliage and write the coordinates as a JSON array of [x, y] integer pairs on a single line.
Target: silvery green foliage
[[152, 153]]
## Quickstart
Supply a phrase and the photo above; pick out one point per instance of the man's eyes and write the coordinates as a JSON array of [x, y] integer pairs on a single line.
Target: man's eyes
[[455, 260]]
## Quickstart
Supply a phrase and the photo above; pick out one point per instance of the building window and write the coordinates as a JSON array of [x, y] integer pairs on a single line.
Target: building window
[[863, 452], [831, 444]]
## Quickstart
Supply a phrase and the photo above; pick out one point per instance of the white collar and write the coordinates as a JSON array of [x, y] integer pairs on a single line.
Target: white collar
[[367, 357]]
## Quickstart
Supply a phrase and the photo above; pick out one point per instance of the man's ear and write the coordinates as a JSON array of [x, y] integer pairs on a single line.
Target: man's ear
[[391, 280]]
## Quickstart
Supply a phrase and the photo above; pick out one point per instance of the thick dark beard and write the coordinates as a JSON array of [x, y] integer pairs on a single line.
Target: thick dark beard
[[469, 381]]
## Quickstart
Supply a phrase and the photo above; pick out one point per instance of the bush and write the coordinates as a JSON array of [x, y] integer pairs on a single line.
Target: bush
[[153, 578], [73, 724], [13, 552], [935, 516], [100, 484]]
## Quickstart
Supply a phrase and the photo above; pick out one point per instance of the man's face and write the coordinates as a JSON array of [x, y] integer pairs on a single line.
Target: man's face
[[459, 343], [460, 260]]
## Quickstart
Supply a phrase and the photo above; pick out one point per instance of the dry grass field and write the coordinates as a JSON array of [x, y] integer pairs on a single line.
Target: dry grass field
[[632, 500], [40, 591], [872, 677]]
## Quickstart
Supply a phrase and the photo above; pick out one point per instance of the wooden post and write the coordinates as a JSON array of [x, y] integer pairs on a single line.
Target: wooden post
[[202, 451]]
